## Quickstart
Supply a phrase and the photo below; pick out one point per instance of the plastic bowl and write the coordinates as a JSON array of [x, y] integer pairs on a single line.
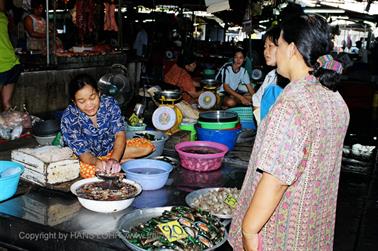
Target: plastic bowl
[[159, 144], [218, 125], [45, 140], [10, 176], [150, 174], [201, 162], [227, 137], [130, 128], [104, 206]]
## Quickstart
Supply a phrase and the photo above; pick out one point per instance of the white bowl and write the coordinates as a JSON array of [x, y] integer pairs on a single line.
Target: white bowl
[[45, 140], [104, 206]]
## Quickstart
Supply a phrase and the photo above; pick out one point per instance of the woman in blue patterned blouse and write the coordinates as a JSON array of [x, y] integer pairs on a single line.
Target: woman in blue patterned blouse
[[93, 127]]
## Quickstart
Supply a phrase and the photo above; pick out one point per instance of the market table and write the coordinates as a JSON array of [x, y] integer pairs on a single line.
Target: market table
[[44, 219]]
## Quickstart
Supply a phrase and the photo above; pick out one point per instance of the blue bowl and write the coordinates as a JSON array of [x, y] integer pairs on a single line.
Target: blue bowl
[[150, 174], [227, 137], [10, 175]]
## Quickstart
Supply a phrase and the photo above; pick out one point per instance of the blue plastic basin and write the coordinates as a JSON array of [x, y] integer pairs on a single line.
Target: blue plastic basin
[[227, 137], [150, 174], [9, 182]]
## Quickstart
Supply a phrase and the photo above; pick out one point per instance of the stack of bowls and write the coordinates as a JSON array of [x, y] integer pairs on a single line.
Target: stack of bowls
[[45, 131], [219, 126]]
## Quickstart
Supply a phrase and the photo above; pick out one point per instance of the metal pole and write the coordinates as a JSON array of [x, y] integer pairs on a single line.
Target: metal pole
[[47, 34], [120, 21], [54, 34]]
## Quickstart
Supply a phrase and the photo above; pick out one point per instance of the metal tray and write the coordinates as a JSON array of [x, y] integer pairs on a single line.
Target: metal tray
[[141, 216], [195, 194]]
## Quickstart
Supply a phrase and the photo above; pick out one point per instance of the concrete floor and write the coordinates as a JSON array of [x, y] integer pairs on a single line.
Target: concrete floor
[[357, 207]]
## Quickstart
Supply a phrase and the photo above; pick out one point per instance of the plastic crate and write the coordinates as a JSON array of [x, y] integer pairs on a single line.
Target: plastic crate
[[244, 113]]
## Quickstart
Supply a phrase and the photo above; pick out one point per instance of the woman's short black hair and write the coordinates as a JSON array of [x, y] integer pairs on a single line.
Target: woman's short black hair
[[241, 50], [273, 34], [36, 3], [185, 59], [311, 35], [78, 83]]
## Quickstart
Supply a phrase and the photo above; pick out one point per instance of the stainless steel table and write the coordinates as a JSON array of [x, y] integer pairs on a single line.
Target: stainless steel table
[[49, 220]]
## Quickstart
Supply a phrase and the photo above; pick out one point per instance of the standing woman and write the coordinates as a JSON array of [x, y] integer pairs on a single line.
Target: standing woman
[[273, 83], [288, 198], [10, 67]]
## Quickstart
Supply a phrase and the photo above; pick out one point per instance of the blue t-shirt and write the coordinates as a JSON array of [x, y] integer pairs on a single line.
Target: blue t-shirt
[[268, 99], [82, 136]]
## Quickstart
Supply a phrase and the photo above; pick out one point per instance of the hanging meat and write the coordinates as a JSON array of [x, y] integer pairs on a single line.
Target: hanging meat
[[110, 23], [84, 17]]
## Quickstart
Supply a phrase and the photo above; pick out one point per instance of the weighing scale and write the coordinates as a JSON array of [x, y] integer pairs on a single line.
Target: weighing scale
[[167, 117], [209, 98]]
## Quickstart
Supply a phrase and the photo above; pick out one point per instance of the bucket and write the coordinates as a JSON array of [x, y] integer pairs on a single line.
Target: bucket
[[189, 127], [227, 137]]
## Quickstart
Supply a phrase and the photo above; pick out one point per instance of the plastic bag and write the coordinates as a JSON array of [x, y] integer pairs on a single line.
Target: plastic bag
[[13, 123]]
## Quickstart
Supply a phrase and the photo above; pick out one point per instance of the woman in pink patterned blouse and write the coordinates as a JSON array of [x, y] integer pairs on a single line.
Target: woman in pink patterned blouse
[[288, 198]]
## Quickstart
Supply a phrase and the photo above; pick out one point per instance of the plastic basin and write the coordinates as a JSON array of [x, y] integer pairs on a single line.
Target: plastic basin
[[102, 206], [227, 137], [150, 174], [218, 125], [201, 162], [10, 176]]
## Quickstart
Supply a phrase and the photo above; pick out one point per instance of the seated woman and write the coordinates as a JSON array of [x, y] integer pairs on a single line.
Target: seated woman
[[179, 75], [235, 81], [92, 126]]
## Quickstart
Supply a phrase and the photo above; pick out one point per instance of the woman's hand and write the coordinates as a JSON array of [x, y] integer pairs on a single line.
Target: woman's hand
[[112, 166], [250, 242], [245, 101]]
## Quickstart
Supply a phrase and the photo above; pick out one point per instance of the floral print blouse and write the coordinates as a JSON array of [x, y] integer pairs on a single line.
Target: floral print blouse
[[300, 143]]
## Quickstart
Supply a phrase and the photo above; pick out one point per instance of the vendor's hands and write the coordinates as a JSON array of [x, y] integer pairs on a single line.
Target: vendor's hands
[[245, 101], [108, 166], [112, 166], [251, 242]]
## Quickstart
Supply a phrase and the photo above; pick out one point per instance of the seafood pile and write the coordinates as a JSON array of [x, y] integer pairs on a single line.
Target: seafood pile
[[102, 191], [214, 201], [203, 231]]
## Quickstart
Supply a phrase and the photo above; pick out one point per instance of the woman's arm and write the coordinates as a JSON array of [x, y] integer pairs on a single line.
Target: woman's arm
[[268, 194], [90, 159], [230, 91], [28, 23], [250, 89], [119, 145]]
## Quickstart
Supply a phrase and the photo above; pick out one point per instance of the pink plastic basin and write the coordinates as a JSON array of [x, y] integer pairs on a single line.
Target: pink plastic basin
[[201, 162]]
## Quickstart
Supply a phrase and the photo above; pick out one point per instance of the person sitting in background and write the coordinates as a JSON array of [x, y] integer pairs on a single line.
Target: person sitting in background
[[93, 127], [273, 83], [236, 84], [179, 75], [10, 67]]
